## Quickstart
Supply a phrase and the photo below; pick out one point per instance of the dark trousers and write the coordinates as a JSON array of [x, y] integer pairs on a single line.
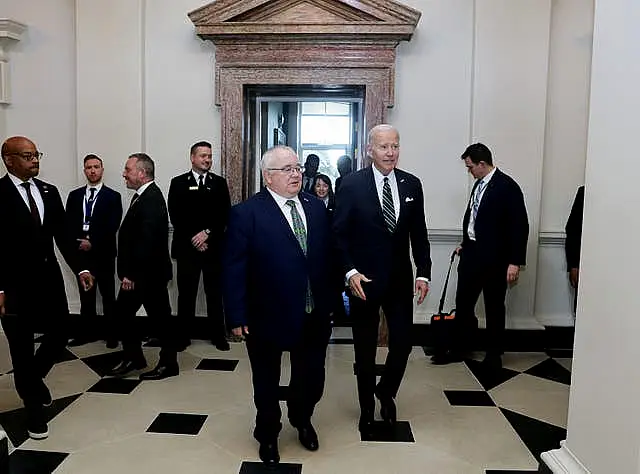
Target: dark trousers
[[154, 296], [30, 369], [188, 275], [365, 315], [476, 274], [104, 274], [307, 377]]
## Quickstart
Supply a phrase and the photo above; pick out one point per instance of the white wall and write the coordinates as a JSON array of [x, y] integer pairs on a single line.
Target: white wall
[[513, 74]]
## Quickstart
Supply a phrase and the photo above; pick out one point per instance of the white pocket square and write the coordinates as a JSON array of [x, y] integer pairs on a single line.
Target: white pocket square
[[409, 199]]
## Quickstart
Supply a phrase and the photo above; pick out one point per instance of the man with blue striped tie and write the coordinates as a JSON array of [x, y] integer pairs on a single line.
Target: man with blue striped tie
[[379, 223]]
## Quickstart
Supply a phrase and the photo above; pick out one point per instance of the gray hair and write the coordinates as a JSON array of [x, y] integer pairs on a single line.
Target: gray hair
[[145, 163], [383, 127], [271, 153]]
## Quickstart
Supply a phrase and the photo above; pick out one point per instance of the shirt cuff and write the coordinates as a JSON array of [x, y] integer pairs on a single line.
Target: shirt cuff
[[350, 273], [83, 271], [423, 279]]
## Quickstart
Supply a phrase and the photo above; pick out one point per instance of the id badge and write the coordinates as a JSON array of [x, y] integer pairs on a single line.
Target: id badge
[[85, 228]]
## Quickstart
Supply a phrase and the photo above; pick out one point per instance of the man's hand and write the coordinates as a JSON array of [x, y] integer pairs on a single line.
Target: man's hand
[[1, 304], [513, 272], [85, 245], [86, 280], [127, 285], [355, 283], [240, 331], [458, 249], [199, 239], [574, 276], [422, 288]]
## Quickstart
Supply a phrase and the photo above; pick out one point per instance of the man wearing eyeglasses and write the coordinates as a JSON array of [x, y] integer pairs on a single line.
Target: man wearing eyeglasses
[[32, 292], [276, 272], [379, 223]]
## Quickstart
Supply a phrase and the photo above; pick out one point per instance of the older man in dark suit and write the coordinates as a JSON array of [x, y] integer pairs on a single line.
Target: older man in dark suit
[[379, 221], [32, 293], [94, 212], [144, 267], [495, 231], [276, 291]]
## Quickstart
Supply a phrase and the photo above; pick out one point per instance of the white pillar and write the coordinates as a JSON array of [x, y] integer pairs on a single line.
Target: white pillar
[[10, 32], [603, 432]]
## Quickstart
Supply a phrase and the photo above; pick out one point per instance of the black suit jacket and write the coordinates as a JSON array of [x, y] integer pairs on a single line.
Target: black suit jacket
[[143, 241], [573, 230], [28, 259], [193, 210], [502, 226], [365, 244], [265, 272], [105, 220]]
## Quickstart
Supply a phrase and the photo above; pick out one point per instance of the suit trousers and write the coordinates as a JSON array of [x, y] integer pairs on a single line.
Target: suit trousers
[[306, 386], [154, 296], [103, 271], [189, 269], [31, 368], [398, 311], [475, 275]]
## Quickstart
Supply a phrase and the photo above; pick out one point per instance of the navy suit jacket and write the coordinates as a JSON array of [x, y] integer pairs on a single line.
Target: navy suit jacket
[[502, 226], [365, 244], [265, 272], [105, 220], [573, 229], [27, 259]]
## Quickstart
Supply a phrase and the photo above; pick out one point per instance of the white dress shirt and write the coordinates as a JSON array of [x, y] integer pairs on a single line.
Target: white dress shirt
[[35, 192], [197, 176], [87, 195], [472, 222], [286, 209], [142, 188]]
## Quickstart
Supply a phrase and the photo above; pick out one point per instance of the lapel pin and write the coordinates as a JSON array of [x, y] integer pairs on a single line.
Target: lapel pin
[[408, 199]]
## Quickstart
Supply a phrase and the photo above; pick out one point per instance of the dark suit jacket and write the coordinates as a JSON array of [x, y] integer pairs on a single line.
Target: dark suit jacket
[[105, 220], [502, 226], [265, 272], [365, 244], [28, 262], [573, 230], [143, 241], [193, 210]]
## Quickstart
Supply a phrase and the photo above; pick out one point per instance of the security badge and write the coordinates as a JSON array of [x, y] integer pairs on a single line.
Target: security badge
[[193, 188]]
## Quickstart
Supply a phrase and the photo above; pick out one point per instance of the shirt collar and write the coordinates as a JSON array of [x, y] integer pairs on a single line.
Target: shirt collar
[[379, 177], [488, 177], [142, 188], [282, 201], [197, 176], [17, 181], [97, 187]]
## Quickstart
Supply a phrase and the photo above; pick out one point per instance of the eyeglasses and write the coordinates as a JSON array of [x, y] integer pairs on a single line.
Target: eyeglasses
[[289, 169], [27, 156]]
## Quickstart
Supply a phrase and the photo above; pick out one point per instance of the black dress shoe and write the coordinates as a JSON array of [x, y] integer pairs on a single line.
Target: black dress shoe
[[308, 437], [182, 344], [161, 372], [388, 410], [221, 344], [127, 366], [112, 343], [269, 454], [365, 426], [448, 357]]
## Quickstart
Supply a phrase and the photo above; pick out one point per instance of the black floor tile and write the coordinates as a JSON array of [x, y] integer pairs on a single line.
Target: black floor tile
[[563, 353], [489, 378], [24, 461], [469, 398], [226, 365], [379, 369], [551, 370], [65, 355], [399, 433], [283, 392], [115, 385], [177, 423], [103, 363], [259, 468], [537, 435], [14, 422]]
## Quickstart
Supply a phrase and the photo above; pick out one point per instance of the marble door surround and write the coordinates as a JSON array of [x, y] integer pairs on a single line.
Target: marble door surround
[[299, 42]]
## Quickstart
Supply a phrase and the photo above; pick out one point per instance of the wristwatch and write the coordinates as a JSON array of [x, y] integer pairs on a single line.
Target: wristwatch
[[207, 231]]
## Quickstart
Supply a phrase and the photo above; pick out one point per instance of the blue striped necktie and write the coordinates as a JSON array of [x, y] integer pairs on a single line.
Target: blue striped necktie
[[388, 210]]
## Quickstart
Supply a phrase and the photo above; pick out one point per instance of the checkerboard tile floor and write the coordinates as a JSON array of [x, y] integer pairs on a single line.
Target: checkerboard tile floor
[[453, 419]]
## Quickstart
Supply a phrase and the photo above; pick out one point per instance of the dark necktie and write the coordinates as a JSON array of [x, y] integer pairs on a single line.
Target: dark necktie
[[134, 198], [89, 206], [201, 182], [32, 203], [388, 211]]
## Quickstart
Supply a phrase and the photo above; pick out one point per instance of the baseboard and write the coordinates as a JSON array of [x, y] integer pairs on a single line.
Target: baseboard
[[563, 461]]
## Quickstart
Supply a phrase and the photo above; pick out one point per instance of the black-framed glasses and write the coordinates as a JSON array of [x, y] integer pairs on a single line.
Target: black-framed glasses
[[289, 169], [28, 156]]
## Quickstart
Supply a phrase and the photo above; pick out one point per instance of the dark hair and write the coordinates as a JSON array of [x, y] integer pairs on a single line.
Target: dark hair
[[344, 165], [478, 152], [145, 163], [312, 157], [91, 156], [195, 146], [327, 181]]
